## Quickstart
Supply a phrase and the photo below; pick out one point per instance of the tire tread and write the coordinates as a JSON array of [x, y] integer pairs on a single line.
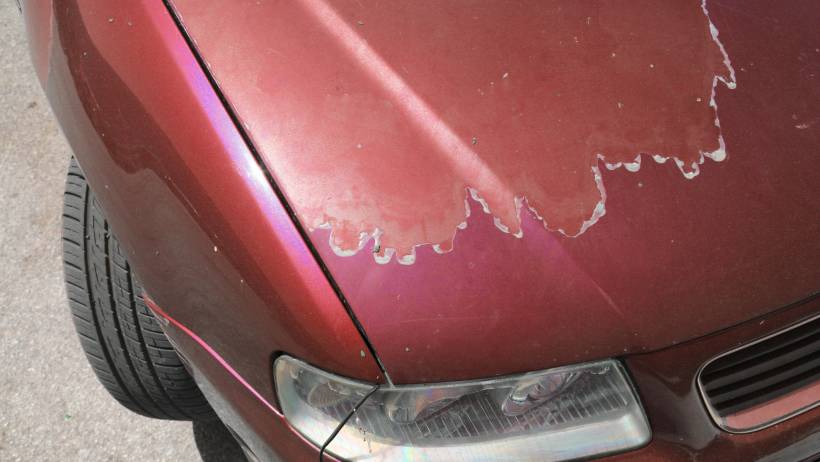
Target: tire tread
[[123, 342]]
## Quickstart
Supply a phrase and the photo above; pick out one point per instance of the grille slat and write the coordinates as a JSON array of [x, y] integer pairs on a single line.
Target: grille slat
[[763, 363], [758, 349], [770, 393], [762, 381], [763, 371]]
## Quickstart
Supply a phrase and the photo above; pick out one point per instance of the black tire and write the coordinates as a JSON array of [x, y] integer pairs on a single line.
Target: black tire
[[122, 340]]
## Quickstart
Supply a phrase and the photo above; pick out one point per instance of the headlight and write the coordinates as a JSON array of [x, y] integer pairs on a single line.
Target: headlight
[[557, 414]]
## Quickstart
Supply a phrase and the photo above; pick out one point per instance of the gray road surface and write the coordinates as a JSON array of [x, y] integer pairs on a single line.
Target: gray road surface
[[51, 405]]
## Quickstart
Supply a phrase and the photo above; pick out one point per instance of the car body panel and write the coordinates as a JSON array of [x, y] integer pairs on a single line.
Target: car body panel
[[682, 429], [234, 283], [667, 383], [200, 223], [672, 259]]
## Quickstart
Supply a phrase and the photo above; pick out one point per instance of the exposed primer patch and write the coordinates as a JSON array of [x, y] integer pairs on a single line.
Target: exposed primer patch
[[516, 118]]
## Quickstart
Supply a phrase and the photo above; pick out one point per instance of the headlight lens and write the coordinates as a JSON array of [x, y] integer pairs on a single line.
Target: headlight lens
[[557, 414]]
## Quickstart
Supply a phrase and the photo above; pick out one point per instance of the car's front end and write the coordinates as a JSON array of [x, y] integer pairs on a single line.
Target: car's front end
[[425, 231]]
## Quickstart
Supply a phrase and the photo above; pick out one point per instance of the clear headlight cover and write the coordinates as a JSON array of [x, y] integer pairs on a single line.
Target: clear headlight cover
[[558, 414]]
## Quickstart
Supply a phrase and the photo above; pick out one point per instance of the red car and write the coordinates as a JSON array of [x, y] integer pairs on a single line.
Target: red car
[[448, 230]]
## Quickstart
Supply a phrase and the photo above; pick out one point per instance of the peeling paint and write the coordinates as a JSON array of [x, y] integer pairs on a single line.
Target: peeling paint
[[688, 167], [515, 106]]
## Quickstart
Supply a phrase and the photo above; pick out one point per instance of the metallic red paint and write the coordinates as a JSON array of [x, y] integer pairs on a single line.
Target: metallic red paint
[[420, 102], [260, 426], [666, 381], [769, 412], [672, 259], [211, 242], [218, 252]]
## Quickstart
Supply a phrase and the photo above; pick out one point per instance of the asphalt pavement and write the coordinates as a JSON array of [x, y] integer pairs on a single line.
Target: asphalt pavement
[[51, 405]]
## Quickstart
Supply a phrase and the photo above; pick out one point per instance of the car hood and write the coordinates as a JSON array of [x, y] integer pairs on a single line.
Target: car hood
[[505, 186]]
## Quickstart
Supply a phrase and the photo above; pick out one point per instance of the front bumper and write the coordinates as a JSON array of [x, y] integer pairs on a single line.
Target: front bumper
[[666, 380]]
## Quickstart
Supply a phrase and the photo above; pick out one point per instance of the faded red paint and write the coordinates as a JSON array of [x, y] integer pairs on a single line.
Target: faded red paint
[[673, 261], [514, 100], [212, 244]]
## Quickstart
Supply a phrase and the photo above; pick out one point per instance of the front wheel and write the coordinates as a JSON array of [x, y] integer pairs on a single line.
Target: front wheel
[[121, 338]]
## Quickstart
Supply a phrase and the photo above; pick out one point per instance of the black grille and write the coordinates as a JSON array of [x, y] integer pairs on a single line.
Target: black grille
[[764, 370]]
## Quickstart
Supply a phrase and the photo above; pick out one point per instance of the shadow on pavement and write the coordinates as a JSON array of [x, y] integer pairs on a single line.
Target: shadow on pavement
[[215, 443]]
